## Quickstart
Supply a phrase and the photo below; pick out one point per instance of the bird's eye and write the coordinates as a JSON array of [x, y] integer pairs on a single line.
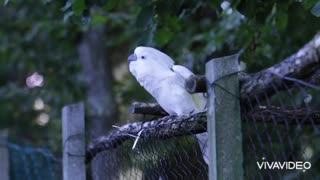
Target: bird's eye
[[143, 57]]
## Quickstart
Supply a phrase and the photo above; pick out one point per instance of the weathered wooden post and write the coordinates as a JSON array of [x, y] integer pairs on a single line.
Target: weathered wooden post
[[224, 124], [4, 155], [73, 132]]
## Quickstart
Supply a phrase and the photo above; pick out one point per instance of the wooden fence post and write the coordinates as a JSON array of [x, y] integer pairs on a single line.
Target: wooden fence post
[[73, 132], [4, 155], [224, 124]]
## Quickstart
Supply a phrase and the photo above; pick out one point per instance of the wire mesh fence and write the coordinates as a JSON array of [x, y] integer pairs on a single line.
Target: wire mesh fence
[[279, 127], [154, 153], [33, 163], [174, 158], [282, 127]]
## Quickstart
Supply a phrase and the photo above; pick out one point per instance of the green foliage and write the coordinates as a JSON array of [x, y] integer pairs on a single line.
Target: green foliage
[[78, 6], [309, 4]]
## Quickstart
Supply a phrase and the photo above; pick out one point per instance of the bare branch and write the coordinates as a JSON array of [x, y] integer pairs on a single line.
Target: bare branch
[[286, 116], [166, 127], [147, 108], [196, 84]]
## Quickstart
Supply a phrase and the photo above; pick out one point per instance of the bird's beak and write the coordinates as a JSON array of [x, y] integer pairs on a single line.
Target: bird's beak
[[132, 57]]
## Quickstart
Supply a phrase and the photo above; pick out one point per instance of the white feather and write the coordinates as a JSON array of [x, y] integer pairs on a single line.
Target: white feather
[[182, 71]]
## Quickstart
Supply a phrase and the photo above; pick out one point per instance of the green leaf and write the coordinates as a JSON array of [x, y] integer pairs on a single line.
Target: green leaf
[[78, 6], [308, 4], [98, 19], [163, 36], [173, 22], [282, 16], [316, 9], [110, 5], [143, 2]]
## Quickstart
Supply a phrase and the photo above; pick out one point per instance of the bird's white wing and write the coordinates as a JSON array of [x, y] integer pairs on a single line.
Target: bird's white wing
[[200, 102], [184, 73]]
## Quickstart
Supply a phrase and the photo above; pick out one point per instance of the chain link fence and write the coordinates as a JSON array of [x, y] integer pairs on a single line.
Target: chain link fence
[[174, 158], [33, 163], [283, 129]]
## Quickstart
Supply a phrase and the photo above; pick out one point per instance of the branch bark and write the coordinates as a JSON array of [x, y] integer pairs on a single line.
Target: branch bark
[[147, 108], [196, 84]]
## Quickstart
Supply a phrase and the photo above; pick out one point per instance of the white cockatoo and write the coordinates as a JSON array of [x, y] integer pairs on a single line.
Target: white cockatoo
[[156, 72]]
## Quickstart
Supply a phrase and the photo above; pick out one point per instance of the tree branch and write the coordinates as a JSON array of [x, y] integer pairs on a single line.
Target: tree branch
[[166, 127], [287, 116], [301, 65], [304, 65], [196, 84], [147, 108]]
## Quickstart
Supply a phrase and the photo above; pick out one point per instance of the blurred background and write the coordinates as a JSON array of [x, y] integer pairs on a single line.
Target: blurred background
[[53, 53]]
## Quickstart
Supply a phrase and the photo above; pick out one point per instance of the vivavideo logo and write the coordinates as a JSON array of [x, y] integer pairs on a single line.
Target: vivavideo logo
[[285, 165]]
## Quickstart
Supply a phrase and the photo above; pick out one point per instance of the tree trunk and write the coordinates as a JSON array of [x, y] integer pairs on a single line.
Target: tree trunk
[[101, 109]]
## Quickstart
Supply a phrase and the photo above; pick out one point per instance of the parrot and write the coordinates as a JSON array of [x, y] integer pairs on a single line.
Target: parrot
[[165, 81]]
